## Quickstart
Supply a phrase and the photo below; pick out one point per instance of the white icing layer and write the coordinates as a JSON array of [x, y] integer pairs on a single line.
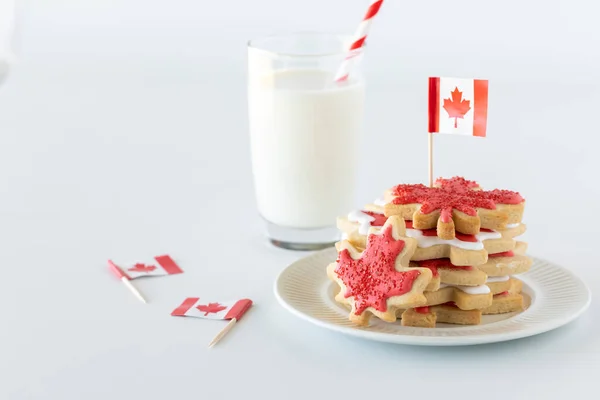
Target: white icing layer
[[481, 236], [428, 241], [492, 279], [510, 226], [379, 202], [481, 289], [363, 219]]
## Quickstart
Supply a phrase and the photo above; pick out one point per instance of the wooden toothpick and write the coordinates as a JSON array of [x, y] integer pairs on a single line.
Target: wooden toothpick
[[430, 159], [233, 315], [223, 332], [125, 279], [133, 289]]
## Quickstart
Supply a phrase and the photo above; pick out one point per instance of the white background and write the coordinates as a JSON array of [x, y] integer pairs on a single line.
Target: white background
[[123, 134]]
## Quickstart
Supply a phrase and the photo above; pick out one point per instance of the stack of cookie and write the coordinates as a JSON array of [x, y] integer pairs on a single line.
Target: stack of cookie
[[464, 236]]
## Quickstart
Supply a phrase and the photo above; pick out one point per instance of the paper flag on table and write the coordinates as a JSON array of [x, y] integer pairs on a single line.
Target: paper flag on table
[[458, 106], [161, 265], [193, 307]]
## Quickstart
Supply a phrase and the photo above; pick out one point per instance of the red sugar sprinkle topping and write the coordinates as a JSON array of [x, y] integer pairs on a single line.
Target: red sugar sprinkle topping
[[455, 193], [465, 238], [422, 310], [509, 253], [434, 264], [373, 278]]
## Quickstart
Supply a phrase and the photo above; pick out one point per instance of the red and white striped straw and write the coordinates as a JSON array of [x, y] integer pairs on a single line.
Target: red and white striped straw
[[360, 37]]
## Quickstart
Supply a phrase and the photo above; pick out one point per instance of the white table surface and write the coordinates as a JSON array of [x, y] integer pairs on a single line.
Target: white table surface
[[123, 134]]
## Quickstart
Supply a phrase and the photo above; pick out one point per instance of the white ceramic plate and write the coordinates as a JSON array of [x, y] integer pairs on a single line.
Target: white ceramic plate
[[554, 297]]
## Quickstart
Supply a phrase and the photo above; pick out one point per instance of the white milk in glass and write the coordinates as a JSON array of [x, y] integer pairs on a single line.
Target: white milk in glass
[[304, 131]]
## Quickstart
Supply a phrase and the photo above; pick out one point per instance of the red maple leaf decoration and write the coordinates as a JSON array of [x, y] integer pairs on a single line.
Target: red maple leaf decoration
[[373, 278], [455, 193], [457, 107], [211, 308], [140, 267]]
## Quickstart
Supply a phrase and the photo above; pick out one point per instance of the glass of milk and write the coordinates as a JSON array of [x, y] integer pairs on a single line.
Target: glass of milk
[[304, 131]]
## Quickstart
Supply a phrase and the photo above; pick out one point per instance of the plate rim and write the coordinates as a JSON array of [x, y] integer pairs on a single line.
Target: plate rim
[[466, 340]]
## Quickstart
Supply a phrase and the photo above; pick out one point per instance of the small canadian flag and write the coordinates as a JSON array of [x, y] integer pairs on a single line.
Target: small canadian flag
[[193, 307], [458, 106], [230, 310], [161, 265]]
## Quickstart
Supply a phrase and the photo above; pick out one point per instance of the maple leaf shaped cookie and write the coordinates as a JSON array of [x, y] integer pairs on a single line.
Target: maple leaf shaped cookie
[[377, 281], [455, 204]]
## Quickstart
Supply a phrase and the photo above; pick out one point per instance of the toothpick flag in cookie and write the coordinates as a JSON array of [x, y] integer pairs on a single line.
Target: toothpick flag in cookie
[[228, 310], [458, 106], [377, 280]]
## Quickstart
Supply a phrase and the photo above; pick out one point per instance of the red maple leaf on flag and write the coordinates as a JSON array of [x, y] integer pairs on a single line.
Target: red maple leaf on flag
[[210, 308], [457, 107], [140, 267]]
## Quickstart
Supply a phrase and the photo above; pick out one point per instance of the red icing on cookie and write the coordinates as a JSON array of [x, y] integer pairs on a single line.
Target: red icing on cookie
[[434, 264], [433, 232], [465, 238], [422, 310], [373, 278], [379, 218], [456, 193], [509, 253], [425, 232], [501, 294]]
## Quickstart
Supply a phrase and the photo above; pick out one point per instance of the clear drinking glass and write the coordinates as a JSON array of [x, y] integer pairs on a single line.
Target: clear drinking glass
[[305, 129]]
